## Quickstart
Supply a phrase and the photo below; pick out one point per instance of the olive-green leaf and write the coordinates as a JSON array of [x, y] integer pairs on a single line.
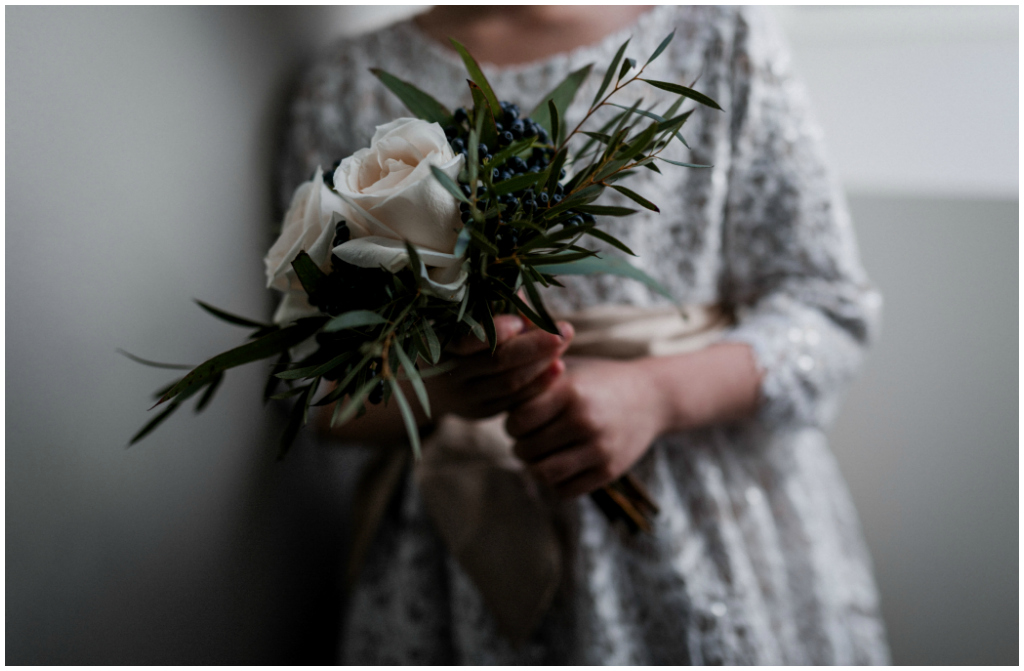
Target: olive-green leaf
[[230, 318], [207, 396], [553, 122], [354, 319], [485, 115], [606, 210], [611, 240], [561, 96], [518, 183], [414, 378], [449, 185], [154, 364], [153, 423], [268, 345], [627, 65], [315, 371], [610, 72], [636, 197], [308, 272], [419, 103], [346, 410], [433, 344], [684, 165], [661, 48], [477, 75], [684, 91], [611, 266], [411, 427]]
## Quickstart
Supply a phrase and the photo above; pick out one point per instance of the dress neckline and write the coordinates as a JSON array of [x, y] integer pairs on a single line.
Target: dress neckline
[[558, 61]]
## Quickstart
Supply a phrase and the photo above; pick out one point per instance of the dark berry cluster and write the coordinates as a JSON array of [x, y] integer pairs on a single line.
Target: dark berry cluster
[[523, 203], [350, 287]]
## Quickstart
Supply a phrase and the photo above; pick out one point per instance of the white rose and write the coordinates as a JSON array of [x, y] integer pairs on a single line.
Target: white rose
[[392, 197], [308, 226]]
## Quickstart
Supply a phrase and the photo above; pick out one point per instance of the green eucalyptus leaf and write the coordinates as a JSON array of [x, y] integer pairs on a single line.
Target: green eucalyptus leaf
[[610, 72], [611, 240], [531, 314], [308, 272], [462, 241], [485, 114], [553, 122], [554, 259], [153, 423], [207, 396], [273, 381], [354, 319], [684, 165], [419, 103], [518, 183], [477, 75], [547, 323], [339, 389], [661, 48], [600, 137], [560, 98], [487, 320], [684, 91], [627, 65], [433, 344], [449, 185], [636, 198], [478, 330], [555, 169], [611, 266], [315, 371], [606, 210], [346, 410], [230, 318], [411, 426], [295, 421], [462, 305], [268, 345], [154, 364], [414, 379]]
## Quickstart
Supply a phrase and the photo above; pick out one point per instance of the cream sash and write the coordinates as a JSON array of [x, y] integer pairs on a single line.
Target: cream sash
[[491, 516]]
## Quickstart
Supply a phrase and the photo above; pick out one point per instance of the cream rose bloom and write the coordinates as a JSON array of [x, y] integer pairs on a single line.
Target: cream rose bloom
[[391, 197], [308, 226]]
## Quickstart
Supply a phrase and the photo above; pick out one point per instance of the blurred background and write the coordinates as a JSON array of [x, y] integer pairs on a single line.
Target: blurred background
[[139, 155]]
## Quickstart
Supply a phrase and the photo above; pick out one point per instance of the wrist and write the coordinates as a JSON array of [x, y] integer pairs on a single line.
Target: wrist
[[667, 388]]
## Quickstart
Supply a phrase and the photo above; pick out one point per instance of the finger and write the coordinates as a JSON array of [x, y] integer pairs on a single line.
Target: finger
[[565, 465], [552, 437], [505, 327], [547, 376], [531, 415], [524, 349], [584, 483]]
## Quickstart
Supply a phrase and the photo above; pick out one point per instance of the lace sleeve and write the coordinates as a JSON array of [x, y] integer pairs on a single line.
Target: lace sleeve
[[806, 306]]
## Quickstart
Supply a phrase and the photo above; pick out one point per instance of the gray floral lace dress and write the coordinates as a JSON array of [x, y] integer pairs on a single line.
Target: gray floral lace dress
[[757, 556]]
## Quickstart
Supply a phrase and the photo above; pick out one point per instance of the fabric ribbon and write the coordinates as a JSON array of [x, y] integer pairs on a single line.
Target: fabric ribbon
[[491, 515]]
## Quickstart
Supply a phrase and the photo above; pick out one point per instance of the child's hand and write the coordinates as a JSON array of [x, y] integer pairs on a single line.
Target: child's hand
[[589, 427], [524, 364]]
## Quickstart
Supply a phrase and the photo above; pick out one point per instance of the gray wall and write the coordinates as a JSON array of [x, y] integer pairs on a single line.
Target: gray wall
[[138, 165], [928, 438]]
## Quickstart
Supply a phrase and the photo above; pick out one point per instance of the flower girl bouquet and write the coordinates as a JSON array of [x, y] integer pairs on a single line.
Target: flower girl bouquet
[[444, 221]]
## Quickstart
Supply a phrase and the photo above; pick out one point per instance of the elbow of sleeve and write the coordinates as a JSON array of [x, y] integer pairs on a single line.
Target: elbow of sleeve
[[807, 354]]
